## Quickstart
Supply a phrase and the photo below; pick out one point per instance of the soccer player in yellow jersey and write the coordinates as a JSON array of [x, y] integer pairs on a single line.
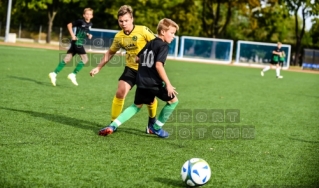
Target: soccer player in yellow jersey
[[132, 38]]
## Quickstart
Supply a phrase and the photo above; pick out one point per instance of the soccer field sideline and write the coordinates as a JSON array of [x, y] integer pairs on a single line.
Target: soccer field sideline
[[55, 47]]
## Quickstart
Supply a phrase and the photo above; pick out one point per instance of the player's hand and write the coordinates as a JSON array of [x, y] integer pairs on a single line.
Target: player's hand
[[171, 91], [94, 71], [74, 37], [89, 36]]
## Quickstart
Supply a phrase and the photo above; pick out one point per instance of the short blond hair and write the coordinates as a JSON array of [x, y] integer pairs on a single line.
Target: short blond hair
[[125, 9], [87, 9], [164, 24]]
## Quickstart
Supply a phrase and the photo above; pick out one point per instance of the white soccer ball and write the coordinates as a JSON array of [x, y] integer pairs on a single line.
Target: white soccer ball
[[195, 172]]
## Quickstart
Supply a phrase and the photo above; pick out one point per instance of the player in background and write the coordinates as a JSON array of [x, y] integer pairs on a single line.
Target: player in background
[[152, 81], [132, 38], [276, 53], [282, 59], [83, 27]]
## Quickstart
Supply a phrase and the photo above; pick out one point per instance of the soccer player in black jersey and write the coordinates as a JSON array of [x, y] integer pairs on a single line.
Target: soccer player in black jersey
[[276, 59], [152, 81], [83, 27], [132, 38]]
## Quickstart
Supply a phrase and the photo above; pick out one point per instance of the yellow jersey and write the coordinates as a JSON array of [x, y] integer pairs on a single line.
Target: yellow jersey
[[133, 43]]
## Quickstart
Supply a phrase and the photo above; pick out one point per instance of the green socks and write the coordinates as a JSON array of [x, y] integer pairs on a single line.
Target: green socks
[[78, 67], [133, 109], [59, 67], [125, 115], [165, 113]]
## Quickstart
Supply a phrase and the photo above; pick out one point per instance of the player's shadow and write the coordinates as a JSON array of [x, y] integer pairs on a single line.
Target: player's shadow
[[30, 80], [303, 140], [135, 132], [171, 182], [129, 130], [140, 133], [304, 95], [88, 125]]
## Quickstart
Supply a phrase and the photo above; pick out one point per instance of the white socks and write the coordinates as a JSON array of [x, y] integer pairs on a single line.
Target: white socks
[[278, 71], [266, 68]]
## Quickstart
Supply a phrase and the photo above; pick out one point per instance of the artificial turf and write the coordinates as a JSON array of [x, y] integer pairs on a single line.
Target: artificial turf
[[49, 138]]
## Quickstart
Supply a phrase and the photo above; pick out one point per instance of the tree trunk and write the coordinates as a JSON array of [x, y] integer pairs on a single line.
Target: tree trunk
[[299, 35], [51, 16], [294, 62], [302, 33], [298, 52], [216, 28], [52, 11], [228, 19]]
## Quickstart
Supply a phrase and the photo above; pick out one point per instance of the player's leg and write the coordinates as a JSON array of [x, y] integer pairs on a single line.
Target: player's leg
[[278, 71], [165, 113], [126, 82], [265, 69], [141, 97], [281, 64], [152, 112], [127, 114], [119, 98], [84, 59], [67, 58]]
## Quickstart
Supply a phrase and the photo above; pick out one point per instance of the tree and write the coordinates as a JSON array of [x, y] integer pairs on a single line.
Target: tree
[[155, 11], [51, 6], [3, 11], [308, 8], [314, 32], [216, 15], [52, 10], [239, 27]]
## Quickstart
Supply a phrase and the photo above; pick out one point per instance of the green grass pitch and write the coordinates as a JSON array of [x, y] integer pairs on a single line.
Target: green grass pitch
[[48, 135]]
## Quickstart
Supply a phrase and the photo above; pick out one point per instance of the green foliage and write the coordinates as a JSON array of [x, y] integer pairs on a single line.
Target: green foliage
[[233, 19], [314, 32], [182, 11]]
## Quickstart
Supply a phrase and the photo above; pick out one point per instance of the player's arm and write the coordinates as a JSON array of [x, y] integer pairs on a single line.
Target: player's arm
[[110, 53], [88, 33], [162, 73], [275, 52], [161, 58], [70, 29], [106, 58]]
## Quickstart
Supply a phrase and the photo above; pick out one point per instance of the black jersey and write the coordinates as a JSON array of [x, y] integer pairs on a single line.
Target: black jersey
[[147, 76], [82, 28], [275, 57]]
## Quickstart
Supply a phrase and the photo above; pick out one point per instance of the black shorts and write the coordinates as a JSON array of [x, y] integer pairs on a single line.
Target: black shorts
[[76, 49], [274, 62], [281, 63], [129, 76], [147, 96]]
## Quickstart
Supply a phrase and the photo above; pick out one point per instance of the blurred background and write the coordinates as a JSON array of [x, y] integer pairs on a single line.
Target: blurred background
[[292, 22]]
